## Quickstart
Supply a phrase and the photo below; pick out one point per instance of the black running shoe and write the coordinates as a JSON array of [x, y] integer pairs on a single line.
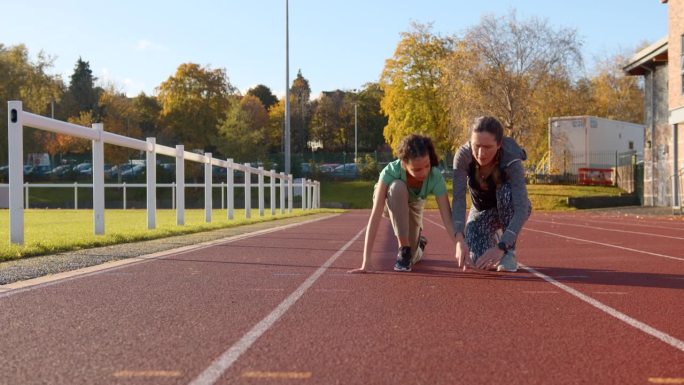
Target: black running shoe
[[403, 259]]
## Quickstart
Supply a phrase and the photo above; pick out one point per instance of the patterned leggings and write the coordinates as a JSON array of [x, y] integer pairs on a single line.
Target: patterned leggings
[[482, 227]]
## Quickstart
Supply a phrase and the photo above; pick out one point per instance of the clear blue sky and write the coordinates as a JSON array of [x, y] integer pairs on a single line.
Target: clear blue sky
[[138, 44]]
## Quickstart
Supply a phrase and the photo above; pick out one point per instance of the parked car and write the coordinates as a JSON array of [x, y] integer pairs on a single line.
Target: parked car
[[346, 171], [85, 168], [62, 170], [37, 171], [115, 171], [134, 171]]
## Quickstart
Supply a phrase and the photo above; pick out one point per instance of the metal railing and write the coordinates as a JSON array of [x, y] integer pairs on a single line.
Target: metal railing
[[17, 119]]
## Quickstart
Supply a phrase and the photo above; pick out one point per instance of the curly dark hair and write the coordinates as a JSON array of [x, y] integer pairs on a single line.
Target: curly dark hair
[[417, 146]]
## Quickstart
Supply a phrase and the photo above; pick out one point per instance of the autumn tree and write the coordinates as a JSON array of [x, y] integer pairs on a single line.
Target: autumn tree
[[614, 95], [413, 100], [119, 116], [502, 67], [193, 102], [22, 79], [274, 131]]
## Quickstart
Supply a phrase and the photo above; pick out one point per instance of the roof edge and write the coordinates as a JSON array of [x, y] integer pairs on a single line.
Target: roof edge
[[647, 54]]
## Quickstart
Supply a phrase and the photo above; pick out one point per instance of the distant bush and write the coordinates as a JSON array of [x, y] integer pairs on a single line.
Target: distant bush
[[368, 168]]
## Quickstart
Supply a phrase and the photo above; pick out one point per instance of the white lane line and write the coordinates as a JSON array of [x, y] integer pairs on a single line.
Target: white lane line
[[611, 292], [648, 224], [108, 267], [668, 339], [605, 244], [220, 365], [607, 229]]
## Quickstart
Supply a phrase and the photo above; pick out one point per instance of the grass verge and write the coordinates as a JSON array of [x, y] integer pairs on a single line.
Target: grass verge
[[358, 194], [53, 231]]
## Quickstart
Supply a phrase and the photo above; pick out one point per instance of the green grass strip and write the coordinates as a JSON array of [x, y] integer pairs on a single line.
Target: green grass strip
[[52, 231]]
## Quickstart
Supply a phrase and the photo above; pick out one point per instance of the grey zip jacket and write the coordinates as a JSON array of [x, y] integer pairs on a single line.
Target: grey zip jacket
[[513, 173]]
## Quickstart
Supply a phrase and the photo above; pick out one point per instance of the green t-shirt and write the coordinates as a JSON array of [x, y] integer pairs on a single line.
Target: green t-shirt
[[433, 184]]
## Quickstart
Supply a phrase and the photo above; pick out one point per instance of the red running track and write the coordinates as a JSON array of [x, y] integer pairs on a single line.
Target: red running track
[[601, 302]]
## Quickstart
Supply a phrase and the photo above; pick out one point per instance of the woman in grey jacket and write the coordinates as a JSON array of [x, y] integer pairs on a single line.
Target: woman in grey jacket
[[490, 166]]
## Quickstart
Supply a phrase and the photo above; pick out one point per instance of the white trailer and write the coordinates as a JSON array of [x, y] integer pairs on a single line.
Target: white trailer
[[591, 142]]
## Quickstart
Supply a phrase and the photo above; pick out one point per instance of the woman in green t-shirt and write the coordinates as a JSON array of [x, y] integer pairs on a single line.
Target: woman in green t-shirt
[[400, 195]]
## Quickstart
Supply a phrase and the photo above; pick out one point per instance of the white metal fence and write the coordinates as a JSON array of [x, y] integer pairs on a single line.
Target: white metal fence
[[17, 119]]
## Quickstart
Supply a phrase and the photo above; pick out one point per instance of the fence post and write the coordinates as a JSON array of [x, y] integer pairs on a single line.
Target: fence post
[[311, 193], [231, 190], [290, 191], [248, 192], [273, 192], [26, 197], [173, 195], [180, 185], [208, 201], [617, 165], [15, 142], [304, 188], [282, 193], [124, 195], [151, 174], [98, 181], [223, 195], [260, 178]]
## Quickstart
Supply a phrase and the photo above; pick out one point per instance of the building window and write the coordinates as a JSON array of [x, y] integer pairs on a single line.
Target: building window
[[631, 145]]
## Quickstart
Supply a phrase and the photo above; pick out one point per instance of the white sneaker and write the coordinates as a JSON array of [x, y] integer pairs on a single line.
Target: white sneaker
[[508, 262], [422, 242]]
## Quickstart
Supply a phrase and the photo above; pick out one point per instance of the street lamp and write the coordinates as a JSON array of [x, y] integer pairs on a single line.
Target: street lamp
[[287, 89], [355, 136]]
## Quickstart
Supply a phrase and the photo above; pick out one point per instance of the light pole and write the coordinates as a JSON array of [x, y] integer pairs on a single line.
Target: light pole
[[287, 89], [355, 136]]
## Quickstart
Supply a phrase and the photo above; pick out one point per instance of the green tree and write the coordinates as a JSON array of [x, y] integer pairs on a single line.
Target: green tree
[[194, 100], [300, 95], [411, 81], [82, 95], [264, 94], [327, 124], [148, 110], [371, 120], [242, 131]]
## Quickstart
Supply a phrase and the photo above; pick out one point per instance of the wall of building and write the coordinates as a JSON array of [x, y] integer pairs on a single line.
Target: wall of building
[[675, 10], [676, 91], [658, 156]]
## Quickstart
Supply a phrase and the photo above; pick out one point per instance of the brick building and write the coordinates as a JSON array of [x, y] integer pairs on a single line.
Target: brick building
[[661, 66]]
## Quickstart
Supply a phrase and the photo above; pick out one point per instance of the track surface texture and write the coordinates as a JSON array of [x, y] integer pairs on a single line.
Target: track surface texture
[[599, 300]]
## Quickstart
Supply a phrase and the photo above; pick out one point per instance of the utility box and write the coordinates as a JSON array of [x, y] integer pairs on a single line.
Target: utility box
[[591, 142]]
